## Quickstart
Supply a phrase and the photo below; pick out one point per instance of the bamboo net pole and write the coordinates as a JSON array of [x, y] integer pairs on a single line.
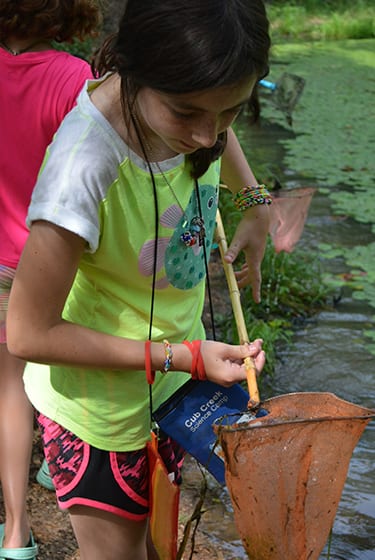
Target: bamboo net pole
[[235, 298]]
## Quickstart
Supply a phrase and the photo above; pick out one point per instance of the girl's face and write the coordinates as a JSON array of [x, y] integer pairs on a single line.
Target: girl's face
[[186, 122]]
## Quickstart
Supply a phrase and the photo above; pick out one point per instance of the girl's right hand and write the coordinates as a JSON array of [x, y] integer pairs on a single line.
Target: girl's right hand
[[224, 363]]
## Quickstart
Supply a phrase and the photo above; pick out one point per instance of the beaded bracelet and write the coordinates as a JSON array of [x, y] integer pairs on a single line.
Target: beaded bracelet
[[168, 356], [251, 196]]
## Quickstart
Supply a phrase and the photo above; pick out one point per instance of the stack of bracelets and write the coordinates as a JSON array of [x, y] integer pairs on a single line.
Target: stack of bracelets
[[251, 196], [197, 365]]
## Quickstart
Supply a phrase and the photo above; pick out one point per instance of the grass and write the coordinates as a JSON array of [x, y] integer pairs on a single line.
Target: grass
[[297, 20], [321, 21]]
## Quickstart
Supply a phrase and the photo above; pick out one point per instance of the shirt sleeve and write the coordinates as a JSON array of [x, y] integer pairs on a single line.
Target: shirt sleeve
[[79, 167]]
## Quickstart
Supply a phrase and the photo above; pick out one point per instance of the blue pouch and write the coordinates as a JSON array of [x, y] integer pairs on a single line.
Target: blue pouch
[[188, 415]]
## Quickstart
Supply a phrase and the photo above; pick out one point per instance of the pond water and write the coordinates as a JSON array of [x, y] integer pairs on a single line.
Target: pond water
[[329, 353]]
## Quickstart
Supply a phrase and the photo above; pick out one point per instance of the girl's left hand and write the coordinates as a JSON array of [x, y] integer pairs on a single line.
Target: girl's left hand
[[250, 237]]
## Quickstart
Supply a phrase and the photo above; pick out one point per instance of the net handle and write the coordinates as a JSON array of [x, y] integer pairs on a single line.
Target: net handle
[[235, 298]]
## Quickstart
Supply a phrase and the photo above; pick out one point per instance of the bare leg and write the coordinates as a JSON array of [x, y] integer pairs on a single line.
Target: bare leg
[[16, 436], [151, 552], [104, 536]]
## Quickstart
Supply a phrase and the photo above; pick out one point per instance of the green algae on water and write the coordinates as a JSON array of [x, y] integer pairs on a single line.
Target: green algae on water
[[334, 136]]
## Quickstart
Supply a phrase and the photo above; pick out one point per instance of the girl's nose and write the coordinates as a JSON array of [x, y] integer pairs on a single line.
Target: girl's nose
[[206, 134]]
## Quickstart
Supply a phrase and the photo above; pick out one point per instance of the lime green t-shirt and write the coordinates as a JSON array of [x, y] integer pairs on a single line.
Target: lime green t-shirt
[[104, 193]]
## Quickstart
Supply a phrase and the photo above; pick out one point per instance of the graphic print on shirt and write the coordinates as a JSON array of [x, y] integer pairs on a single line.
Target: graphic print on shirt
[[183, 262]]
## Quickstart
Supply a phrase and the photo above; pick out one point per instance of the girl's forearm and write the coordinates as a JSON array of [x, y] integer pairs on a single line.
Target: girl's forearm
[[79, 346], [236, 173]]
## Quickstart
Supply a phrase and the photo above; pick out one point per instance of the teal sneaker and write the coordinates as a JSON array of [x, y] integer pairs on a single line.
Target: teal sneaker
[[28, 552], [44, 478]]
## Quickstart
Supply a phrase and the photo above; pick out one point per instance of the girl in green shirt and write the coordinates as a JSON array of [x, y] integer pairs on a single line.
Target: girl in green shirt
[[110, 287]]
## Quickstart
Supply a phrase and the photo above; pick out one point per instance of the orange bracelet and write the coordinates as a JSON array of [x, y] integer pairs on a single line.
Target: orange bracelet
[[197, 365]]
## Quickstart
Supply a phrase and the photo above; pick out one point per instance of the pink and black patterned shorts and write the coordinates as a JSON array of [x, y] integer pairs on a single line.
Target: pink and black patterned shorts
[[112, 481]]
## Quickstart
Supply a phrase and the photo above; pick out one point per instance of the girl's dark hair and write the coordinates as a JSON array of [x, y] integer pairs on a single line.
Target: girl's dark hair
[[58, 20], [180, 46]]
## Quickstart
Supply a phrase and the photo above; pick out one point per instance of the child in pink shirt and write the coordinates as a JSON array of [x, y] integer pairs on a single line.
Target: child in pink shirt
[[38, 87]]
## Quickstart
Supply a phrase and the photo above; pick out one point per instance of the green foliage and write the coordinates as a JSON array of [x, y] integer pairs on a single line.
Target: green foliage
[[360, 279], [316, 20], [351, 204], [333, 142], [272, 332], [345, 26], [370, 334], [290, 21], [333, 134], [361, 276], [292, 288], [82, 49]]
